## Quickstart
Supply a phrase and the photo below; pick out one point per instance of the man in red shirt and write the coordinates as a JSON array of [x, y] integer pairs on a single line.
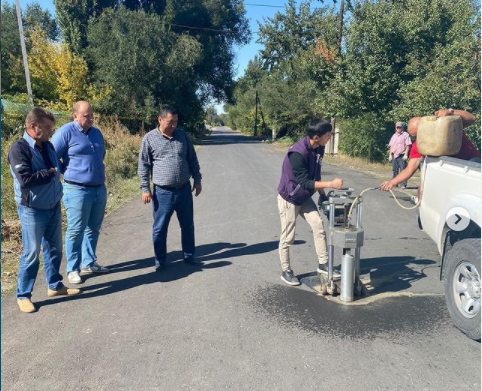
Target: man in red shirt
[[467, 150]]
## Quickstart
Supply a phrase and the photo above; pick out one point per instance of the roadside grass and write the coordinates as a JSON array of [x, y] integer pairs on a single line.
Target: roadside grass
[[284, 142], [122, 150], [382, 171]]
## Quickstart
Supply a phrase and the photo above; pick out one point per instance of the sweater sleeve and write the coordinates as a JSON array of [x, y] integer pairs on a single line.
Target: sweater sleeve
[[61, 145], [300, 170]]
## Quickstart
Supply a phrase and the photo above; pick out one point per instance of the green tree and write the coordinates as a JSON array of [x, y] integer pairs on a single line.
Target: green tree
[[398, 59], [295, 65], [452, 81], [298, 30], [212, 118], [73, 17], [143, 61], [13, 76], [34, 16], [390, 44], [13, 79], [217, 25]]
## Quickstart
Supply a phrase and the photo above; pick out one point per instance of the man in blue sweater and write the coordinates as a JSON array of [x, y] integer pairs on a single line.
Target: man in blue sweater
[[36, 180], [81, 148]]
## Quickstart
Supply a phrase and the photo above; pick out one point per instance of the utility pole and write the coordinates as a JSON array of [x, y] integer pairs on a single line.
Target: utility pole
[[263, 124], [255, 133], [340, 25], [24, 52]]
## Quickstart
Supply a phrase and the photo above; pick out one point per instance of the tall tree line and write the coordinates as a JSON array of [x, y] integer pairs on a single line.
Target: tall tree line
[[140, 54], [398, 59]]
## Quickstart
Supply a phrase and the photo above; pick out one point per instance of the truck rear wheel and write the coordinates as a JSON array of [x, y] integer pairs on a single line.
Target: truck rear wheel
[[462, 286]]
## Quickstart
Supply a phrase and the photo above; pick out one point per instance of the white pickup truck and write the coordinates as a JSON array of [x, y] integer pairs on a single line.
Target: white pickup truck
[[448, 183]]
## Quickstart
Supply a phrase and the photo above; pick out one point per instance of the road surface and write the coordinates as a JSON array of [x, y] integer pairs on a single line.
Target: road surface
[[233, 324]]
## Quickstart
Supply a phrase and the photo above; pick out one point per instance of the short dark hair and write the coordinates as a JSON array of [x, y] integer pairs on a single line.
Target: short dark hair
[[37, 115], [165, 110], [318, 127]]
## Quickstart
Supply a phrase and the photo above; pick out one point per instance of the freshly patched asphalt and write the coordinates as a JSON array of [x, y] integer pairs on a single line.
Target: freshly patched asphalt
[[232, 323]]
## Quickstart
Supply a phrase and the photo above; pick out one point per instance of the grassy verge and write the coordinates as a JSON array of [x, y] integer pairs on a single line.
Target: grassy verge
[[122, 150]]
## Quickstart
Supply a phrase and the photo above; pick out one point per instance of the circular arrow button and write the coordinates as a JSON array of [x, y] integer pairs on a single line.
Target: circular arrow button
[[457, 218]]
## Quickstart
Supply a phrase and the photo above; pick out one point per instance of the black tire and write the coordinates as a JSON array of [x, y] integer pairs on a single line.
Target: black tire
[[462, 286]]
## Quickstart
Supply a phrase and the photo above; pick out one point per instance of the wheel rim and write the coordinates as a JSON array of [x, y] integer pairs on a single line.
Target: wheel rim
[[466, 288]]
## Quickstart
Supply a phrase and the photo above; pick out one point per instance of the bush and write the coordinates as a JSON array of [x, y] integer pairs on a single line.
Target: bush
[[9, 206], [366, 137], [121, 161], [12, 125], [122, 150]]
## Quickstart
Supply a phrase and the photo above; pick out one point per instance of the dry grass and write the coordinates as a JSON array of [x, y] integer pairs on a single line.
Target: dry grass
[[11, 250]]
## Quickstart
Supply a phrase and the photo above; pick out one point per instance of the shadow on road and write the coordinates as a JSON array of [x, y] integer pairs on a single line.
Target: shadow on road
[[387, 274], [394, 274], [211, 252], [175, 268], [171, 272]]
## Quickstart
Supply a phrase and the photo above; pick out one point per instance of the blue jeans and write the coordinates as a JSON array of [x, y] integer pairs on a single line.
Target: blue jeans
[[165, 203], [398, 165], [39, 227], [85, 207]]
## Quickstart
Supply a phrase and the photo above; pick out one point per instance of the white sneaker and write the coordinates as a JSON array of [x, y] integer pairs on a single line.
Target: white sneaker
[[74, 277], [95, 268], [157, 266]]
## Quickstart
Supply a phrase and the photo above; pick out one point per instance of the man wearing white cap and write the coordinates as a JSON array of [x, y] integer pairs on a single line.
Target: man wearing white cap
[[398, 151]]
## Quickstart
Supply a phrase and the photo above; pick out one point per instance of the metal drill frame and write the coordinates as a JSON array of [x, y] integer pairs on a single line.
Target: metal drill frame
[[343, 233]]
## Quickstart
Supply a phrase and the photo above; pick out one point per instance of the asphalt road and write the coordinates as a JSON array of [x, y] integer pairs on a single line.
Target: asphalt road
[[233, 324]]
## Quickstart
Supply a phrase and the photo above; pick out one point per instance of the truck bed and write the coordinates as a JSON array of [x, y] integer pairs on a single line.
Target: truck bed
[[447, 183]]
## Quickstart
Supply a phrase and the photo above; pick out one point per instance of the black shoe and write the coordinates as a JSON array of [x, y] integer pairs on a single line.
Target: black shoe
[[193, 261], [323, 269], [289, 277]]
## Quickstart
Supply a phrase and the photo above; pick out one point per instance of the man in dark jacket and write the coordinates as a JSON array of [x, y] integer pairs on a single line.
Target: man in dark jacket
[[300, 178], [36, 175]]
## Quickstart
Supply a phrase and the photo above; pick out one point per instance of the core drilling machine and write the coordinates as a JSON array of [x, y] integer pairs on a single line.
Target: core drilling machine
[[346, 233]]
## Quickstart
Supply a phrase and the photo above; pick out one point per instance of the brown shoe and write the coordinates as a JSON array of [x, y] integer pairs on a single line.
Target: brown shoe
[[64, 291], [26, 306]]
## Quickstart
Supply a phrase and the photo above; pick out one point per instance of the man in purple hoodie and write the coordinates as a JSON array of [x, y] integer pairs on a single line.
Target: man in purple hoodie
[[300, 178]]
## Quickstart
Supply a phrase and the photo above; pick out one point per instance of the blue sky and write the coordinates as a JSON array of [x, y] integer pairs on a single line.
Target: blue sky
[[244, 53]]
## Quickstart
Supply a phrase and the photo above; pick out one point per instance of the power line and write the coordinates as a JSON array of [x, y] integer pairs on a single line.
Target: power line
[[204, 28], [227, 31], [208, 29], [264, 5]]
